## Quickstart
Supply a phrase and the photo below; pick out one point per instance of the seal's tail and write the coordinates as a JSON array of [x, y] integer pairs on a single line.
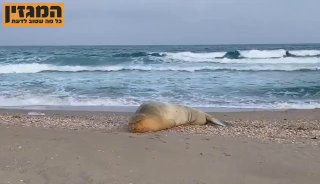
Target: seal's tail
[[213, 120]]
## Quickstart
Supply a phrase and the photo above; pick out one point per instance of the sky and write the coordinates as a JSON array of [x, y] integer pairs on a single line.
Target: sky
[[175, 22]]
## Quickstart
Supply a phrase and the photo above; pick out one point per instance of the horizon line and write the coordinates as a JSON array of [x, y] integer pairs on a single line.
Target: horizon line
[[158, 44]]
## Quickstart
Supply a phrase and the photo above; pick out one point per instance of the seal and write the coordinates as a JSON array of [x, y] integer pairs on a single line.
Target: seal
[[155, 116]]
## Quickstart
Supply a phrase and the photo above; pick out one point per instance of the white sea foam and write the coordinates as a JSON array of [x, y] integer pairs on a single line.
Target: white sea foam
[[42, 100], [249, 54], [194, 57], [306, 52], [249, 57], [33, 100], [284, 61], [36, 68], [295, 105], [263, 53], [279, 105]]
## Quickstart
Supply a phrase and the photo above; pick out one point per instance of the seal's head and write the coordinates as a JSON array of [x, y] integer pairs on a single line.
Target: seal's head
[[141, 123]]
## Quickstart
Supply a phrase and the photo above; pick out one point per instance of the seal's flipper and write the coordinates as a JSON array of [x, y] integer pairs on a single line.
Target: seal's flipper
[[213, 120]]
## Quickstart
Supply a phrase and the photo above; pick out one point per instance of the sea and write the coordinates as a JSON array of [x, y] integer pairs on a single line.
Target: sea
[[205, 76]]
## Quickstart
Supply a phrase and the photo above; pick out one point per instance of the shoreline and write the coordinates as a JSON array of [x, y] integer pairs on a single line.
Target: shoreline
[[128, 108]]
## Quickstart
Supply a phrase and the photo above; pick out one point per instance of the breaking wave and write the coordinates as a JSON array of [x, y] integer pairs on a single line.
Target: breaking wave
[[37, 68], [138, 54], [91, 59], [242, 54], [33, 100], [46, 100], [236, 54]]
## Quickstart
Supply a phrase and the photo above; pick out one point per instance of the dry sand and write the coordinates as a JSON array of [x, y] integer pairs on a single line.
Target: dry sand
[[94, 147], [290, 126]]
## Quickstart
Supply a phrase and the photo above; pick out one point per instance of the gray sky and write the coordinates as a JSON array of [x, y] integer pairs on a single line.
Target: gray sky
[[109, 22]]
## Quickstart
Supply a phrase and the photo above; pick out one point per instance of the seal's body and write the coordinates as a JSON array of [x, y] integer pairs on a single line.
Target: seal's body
[[154, 116]]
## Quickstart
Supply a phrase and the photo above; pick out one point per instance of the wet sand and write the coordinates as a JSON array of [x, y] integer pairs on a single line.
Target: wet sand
[[95, 147]]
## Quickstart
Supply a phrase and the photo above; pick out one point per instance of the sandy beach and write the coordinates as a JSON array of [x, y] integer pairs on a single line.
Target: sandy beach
[[95, 147]]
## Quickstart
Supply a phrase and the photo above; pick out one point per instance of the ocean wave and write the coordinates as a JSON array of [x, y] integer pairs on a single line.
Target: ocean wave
[[193, 57], [24, 59], [240, 54], [310, 53], [37, 68], [235, 56], [284, 61], [33, 100], [138, 54], [279, 105], [262, 54], [46, 100]]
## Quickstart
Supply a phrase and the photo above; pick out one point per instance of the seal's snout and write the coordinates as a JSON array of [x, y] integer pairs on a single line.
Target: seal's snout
[[137, 128], [135, 123], [132, 127], [142, 124]]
